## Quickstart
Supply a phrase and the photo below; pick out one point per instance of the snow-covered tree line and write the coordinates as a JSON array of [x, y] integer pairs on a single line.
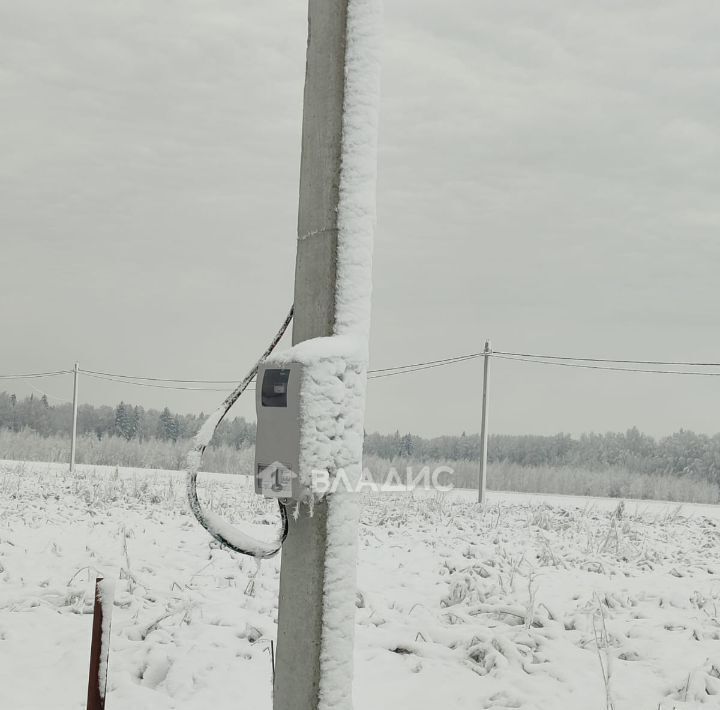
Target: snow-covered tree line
[[131, 422], [681, 453]]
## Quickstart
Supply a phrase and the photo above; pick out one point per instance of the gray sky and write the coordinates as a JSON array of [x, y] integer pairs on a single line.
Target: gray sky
[[548, 177]]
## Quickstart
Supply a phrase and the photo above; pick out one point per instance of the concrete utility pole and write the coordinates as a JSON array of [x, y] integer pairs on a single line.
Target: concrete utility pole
[[73, 440], [483, 426], [301, 616]]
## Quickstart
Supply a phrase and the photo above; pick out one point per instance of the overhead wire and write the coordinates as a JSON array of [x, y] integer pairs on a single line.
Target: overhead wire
[[376, 374], [444, 361], [558, 360], [666, 363], [372, 375], [154, 384], [606, 367], [156, 379], [34, 375], [49, 396], [381, 372]]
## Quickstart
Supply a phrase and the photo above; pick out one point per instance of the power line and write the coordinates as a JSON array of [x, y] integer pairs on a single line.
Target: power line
[[49, 396], [429, 364], [157, 379], [34, 375], [153, 382], [558, 360], [376, 374], [444, 361], [396, 370], [154, 385], [669, 363], [605, 367]]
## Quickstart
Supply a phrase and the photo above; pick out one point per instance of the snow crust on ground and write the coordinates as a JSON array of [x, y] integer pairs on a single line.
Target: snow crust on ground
[[513, 605]]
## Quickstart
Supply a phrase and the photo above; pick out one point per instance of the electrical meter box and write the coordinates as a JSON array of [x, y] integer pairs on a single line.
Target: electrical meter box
[[277, 442]]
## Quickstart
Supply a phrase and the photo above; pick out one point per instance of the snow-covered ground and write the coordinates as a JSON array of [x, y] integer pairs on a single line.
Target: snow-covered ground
[[530, 602]]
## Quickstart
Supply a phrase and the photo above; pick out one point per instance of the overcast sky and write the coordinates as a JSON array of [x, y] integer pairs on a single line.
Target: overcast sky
[[548, 178]]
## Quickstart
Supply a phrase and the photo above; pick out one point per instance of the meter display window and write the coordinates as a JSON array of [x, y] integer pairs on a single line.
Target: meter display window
[[274, 388]]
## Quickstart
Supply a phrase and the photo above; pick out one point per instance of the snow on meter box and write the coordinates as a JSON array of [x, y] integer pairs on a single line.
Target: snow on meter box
[[309, 403]]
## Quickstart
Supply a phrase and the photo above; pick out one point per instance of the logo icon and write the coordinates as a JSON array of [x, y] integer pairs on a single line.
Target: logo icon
[[274, 480]]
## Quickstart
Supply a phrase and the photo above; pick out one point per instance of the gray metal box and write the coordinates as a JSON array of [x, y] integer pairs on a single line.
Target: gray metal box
[[277, 441]]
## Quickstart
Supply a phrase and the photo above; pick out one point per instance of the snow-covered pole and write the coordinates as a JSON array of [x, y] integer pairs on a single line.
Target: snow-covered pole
[[332, 297]]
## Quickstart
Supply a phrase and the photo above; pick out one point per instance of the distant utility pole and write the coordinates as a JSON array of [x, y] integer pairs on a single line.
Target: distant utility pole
[[483, 426], [73, 440], [303, 627]]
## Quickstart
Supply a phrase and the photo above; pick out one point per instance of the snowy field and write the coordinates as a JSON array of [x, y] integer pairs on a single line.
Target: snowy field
[[532, 602]]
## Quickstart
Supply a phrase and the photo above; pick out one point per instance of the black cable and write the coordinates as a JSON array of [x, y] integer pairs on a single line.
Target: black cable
[[194, 458]]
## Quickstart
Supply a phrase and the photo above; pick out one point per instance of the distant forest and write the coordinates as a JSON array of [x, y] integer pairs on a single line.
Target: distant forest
[[124, 420], [681, 453]]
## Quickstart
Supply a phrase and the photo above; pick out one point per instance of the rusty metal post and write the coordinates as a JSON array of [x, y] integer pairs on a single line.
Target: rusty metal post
[[100, 648]]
